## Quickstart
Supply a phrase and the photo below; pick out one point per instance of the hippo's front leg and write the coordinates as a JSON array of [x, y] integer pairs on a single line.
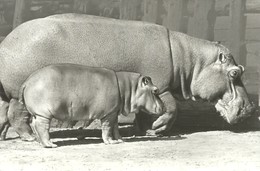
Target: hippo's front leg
[[110, 133], [18, 117], [165, 122], [143, 121]]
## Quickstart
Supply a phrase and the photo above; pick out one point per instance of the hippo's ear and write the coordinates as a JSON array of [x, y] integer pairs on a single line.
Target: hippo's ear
[[222, 58], [242, 68], [146, 80]]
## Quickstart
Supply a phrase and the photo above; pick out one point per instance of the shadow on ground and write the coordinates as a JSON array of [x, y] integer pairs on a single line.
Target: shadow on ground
[[93, 136]]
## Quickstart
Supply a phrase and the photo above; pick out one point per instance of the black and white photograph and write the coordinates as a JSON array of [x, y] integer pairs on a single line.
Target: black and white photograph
[[129, 85]]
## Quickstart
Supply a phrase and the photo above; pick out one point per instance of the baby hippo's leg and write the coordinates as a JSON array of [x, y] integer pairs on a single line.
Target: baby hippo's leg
[[108, 126], [117, 136], [41, 126]]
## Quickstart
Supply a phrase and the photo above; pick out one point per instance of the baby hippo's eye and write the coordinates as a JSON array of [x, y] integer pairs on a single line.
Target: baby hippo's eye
[[146, 80]]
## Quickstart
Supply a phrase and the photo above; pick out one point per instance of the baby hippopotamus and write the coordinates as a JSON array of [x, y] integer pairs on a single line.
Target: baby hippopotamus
[[77, 92]]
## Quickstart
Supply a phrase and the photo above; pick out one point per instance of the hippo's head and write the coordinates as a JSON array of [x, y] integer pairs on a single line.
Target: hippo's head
[[219, 81], [146, 97]]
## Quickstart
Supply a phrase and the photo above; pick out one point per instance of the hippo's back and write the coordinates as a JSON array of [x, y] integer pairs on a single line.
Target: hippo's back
[[87, 40]]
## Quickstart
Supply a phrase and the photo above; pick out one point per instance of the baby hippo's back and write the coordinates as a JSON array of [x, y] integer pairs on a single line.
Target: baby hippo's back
[[71, 92]]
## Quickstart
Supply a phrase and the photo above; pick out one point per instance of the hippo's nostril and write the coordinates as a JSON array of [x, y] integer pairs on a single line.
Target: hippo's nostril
[[155, 91]]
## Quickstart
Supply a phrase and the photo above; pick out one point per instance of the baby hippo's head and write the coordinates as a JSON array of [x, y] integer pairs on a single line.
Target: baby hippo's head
[[147, 97]]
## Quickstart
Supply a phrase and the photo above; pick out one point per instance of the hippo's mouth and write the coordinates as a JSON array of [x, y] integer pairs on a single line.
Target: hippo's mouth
[[232, 112], [235, 110], [222, 108]]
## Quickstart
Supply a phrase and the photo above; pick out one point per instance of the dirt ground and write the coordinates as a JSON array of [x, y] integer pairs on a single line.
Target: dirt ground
[[208, 150]]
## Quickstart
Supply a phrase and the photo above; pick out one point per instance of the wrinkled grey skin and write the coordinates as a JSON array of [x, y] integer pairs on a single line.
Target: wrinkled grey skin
[[177, 63], [77, 92]]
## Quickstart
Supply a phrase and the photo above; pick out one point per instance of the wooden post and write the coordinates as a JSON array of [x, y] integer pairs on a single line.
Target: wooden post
[[258, 71], [22, 12], [202, 23], [175, 11], [128, 9], [150, 10], [237, 31]]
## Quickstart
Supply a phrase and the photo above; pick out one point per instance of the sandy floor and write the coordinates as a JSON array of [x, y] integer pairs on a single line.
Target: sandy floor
[[211, 150]]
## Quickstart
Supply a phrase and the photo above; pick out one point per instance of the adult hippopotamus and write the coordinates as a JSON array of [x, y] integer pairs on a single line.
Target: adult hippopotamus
[[177, 63], [77, 92]]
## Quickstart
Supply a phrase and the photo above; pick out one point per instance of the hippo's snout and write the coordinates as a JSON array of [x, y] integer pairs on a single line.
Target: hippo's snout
[[234, 112], [159, 107], [248, 110], [162, 108]]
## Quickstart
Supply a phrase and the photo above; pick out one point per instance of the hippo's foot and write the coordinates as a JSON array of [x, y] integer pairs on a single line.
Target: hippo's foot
[[2, 137], [28, 137], [120, 141], [110, 141], [46, 143], [151, 132], [4, 131], [49, 144]]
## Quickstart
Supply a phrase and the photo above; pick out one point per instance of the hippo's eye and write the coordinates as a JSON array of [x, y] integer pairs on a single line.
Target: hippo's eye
[[234, 73], [222, 58], [146, 80]]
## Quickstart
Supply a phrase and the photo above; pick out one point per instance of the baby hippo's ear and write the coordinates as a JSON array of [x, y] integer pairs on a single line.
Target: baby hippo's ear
[[146, 80]]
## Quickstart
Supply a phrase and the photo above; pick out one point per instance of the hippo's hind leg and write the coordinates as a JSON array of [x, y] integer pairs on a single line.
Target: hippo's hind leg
[[41, 126], [19, 119], [4, 123], [110, 133], [4, 131]]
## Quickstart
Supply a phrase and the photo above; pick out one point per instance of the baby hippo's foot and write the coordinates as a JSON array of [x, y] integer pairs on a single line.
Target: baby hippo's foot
[[49, 144], [110, 141], [120, 141], [28, 137]]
